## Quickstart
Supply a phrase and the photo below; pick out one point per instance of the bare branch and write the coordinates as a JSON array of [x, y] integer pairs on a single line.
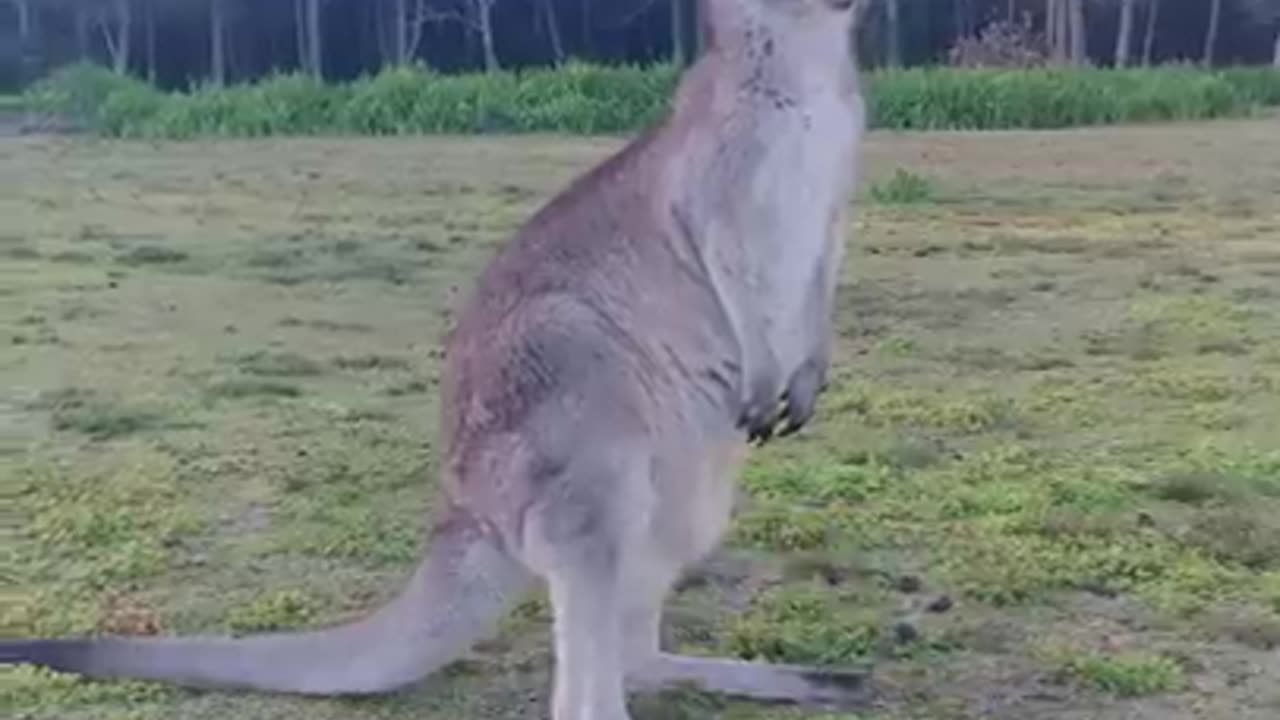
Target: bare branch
[[107, 36], [630, 16], [104, 26], [420, 20], [430, 15]]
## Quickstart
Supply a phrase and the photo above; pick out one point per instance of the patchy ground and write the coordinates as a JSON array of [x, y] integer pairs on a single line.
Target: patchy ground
[[1045, 483]]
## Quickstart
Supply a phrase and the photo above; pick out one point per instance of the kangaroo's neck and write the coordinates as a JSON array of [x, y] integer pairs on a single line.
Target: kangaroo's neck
[[750, 74], [748, 52], [753, 94]]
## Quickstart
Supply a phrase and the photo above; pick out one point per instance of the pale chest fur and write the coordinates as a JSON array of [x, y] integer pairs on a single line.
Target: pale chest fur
[[800, 189]]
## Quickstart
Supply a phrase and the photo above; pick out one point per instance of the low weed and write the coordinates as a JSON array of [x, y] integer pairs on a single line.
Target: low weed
[[98, 417], [278, 364], [904, 187], [371, 362], [804, 623], [1124, 674], [152, 255], [237, 388], [280, 610]]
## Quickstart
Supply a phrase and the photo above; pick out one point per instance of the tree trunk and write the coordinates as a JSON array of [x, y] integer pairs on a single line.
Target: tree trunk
[[1064, 29], [484, 17], [406, 29], [553, 30], [1149, 41], [1125, 32], [401, 26], [1079, 48], [118, 37], [961, 18], [28, 48], [82, 23], [893, 29], [416, 30], [23, 8], [300, 33], [315, 43], [1060, 39], [152, 69], [1275, 52], [1211, 33], [217, 50], [124, 11], [307, 27], [699, 26], [1051, 28], [383, 27], [679, 51]]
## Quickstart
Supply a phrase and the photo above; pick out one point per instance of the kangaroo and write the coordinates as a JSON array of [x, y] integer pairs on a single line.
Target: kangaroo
[[647, 326]]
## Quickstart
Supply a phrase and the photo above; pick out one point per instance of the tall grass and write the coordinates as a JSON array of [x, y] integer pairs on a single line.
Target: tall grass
[[940, 98], [582, 98]]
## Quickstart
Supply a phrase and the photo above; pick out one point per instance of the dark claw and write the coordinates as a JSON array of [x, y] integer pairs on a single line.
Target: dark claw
[[801, 397], [762, 412], [796, 417], [759, 424], [760, 435]]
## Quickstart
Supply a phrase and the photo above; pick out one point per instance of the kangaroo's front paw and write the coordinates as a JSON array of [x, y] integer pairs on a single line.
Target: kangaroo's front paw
[[759, 418], [801, 396], [761, 413]]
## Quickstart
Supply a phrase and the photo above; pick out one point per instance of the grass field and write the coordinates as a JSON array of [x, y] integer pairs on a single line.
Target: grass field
[[1044, 484]]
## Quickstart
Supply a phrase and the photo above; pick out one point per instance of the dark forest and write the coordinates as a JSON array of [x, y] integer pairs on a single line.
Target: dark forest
[[178, 43]]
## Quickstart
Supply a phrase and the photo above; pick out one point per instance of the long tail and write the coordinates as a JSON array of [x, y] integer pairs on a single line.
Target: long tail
[[456, 595]]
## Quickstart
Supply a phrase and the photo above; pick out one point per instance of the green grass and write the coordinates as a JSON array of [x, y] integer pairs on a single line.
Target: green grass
[[1044, 481], [584, 99], [904, 188], [281, 610], [1125, 675]]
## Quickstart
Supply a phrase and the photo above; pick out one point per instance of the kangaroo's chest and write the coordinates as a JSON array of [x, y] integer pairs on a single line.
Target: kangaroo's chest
[[802, 183], [804, 175]]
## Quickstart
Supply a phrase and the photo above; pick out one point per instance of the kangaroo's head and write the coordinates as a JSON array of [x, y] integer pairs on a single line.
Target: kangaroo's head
[[804, 32]]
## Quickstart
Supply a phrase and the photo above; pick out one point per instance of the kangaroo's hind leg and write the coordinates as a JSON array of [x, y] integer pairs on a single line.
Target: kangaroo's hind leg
[[585, 538], [693, 501], [589, 660], [694, 510]]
